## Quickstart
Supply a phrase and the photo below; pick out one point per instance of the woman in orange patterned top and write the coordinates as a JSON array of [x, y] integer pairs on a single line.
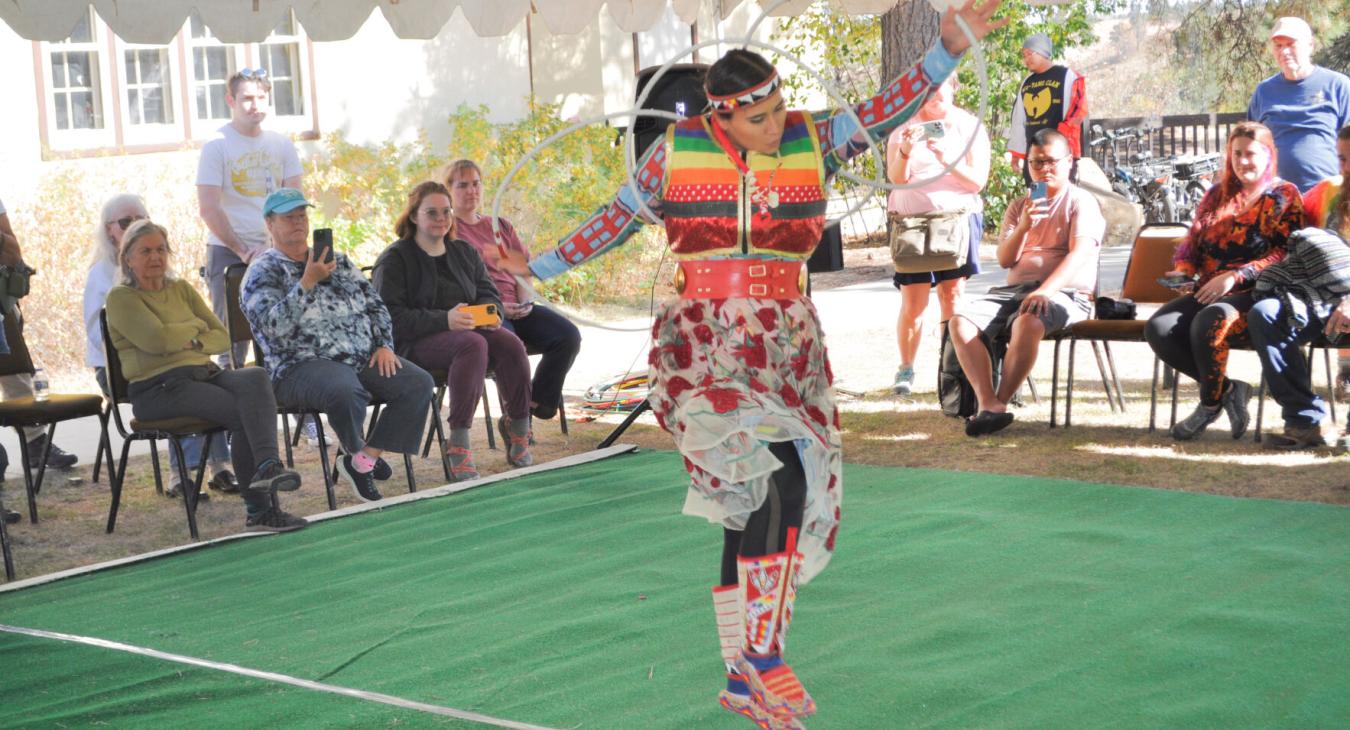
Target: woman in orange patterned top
[[1241, 226]]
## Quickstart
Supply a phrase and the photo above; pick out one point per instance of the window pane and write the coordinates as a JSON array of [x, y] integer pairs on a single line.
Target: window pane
[[217, 63], [62, 111], [279, 60], [202, 111], [157, 110], [77, 69], [218, 108], [81, 33], [284, 99], [133, 77], [134, 105], [153, 63], [59, 71], [85, 114]]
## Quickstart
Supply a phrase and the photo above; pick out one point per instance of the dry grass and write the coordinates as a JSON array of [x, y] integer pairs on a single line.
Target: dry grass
[[878, 429]]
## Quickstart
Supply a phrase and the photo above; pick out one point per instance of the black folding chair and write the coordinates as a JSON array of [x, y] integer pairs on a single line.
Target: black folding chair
[[172, 429], [28, 412]]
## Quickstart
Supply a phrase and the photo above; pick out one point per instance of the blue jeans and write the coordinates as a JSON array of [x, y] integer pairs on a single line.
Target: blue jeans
[[1279, 328], [548, 333]]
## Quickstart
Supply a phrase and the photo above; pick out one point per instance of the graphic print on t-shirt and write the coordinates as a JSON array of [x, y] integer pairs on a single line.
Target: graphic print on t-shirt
[[254, 174], [1039, 96], [1036, 104]]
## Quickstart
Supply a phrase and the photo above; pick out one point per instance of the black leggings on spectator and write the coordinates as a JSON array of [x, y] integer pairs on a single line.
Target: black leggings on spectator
[[1193, 338], [766, 531]]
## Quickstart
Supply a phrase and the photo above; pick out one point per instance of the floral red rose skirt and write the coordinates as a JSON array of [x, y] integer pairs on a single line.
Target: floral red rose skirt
[[730, 376]]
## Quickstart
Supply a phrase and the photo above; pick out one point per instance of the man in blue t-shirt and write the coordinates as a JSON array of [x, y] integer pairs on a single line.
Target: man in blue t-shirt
[[1304, 105]]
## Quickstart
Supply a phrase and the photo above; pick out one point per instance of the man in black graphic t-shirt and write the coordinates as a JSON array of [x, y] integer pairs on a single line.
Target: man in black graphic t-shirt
[[1052, 97]]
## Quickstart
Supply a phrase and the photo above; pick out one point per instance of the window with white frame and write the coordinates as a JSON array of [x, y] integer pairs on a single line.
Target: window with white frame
[[76, 98], [165, 95], [280, 56], [213, 63]]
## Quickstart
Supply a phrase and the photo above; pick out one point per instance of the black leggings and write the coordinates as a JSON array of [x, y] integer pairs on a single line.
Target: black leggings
[[766, 531]]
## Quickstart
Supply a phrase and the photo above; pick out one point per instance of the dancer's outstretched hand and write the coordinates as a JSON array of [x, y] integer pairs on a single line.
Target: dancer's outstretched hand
[[977, 16]]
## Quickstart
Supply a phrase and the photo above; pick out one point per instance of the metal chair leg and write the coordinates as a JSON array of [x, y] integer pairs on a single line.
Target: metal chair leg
[[328, 476], [1111, 363], [286, 439], [487, 422], [408, 468], [562, 415], [4, 545], [189, 486], [1068, 386], [1153, 397], [154, 463], [1260, 408], [120, 474], [1176, 388], [1331, 381], [30, 485], [1101, 369], [1054, 381]]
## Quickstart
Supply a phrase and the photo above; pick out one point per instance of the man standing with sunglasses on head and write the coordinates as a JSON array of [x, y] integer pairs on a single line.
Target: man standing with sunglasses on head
[[238, 169]]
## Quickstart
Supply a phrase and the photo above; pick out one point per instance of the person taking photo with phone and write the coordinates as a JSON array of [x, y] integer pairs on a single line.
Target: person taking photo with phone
[[328, 344], [1049, 243], [1241, 226], [431, 280], [948, 204]]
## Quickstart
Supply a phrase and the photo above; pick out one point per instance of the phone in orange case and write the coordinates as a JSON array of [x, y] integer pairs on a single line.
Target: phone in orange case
[[483, 314]]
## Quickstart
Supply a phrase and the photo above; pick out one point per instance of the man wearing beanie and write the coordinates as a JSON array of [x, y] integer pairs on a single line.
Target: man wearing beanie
[[1053, 96]]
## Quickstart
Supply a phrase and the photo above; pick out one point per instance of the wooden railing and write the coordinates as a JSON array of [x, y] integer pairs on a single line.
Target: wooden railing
[[1177, 134]]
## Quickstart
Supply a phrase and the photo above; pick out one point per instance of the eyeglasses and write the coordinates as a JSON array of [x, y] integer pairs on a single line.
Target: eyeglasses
[[253, 73], [126, 221], [1044, 162]]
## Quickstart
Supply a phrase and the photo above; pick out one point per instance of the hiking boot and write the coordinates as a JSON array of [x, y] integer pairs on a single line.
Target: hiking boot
[[1235, 401], [58, 459], [1295, 438], [363, 483], [272, 476], [274, 520], [516, 437], [1196, 423], [904, 380], [462, 468], [223, 481]]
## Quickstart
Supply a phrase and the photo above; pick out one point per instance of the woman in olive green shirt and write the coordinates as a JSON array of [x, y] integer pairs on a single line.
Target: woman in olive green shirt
[[164, 334]]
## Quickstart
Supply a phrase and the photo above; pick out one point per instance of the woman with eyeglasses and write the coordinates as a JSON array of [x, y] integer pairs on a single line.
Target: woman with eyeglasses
[[1241, 226], [428, 279], [739, 373], [119, 212], [164, 335]]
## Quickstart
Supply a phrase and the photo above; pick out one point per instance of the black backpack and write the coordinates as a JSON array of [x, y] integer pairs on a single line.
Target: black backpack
[[955, 395]]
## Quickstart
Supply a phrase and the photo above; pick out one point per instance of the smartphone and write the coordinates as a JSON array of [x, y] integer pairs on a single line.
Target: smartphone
[[323, 244], [1038, 190], [483, 314], [934, 130], [1175, 281]]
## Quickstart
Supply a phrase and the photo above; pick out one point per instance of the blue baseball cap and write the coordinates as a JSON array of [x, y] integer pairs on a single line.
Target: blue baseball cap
[[284, 200]]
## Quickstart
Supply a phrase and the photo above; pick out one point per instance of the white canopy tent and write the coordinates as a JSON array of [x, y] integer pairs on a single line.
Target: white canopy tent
[[246, 21]]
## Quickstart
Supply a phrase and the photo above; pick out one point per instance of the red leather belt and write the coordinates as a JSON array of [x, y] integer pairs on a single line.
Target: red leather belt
[[727, 278]]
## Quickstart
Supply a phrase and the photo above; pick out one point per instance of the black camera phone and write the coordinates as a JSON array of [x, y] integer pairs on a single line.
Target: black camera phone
[[323, 245]]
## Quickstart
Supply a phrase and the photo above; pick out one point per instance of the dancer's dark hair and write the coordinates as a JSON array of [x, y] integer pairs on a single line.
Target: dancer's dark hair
[[737, 71]]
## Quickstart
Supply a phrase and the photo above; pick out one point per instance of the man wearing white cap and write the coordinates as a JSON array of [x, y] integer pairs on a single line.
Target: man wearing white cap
[[1053, 96], [1303, 105]]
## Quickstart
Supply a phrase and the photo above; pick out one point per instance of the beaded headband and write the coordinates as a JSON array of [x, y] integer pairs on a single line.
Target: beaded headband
[[751, 95]]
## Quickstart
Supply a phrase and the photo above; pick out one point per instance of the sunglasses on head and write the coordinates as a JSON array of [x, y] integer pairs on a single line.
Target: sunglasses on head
[[126, 221], [253, 73]]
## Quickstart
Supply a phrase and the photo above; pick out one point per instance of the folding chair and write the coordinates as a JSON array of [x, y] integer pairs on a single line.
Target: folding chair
[[1150, 258], [172, 429], [28, 411]]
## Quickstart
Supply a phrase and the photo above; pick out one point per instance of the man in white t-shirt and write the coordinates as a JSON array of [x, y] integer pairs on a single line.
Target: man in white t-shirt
[[238, 169]]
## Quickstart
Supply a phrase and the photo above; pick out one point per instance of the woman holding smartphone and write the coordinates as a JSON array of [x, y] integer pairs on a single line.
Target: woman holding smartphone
[[919, 150], [438, 293], [1241, 226]]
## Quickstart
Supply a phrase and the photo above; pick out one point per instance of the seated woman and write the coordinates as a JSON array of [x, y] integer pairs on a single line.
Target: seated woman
[[164, 334], [1241, 226], [119, 212], [540, 328], [426, 279]]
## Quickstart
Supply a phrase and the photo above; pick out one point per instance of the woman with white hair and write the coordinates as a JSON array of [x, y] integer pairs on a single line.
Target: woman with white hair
[[119, 212]]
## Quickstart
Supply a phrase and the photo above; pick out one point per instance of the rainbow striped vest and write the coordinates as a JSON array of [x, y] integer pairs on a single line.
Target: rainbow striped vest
[[706, 202]]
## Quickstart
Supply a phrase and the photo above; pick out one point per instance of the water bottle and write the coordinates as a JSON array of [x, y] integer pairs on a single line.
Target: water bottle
[[40, 384]]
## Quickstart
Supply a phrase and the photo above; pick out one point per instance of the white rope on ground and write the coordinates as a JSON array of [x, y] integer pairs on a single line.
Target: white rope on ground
[[274, 677]]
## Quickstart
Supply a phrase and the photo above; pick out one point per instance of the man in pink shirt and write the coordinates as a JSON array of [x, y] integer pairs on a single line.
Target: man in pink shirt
[[1049, 243]]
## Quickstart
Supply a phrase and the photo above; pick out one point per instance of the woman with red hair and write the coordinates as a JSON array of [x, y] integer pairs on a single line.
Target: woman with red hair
[[1241, 226]]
